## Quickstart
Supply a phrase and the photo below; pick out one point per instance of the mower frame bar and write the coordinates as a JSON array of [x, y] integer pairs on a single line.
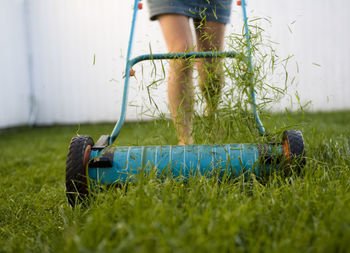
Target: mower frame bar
[[145, 57]]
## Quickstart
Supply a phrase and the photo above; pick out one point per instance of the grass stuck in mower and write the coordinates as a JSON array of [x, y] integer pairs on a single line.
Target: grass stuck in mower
[[91, 163]]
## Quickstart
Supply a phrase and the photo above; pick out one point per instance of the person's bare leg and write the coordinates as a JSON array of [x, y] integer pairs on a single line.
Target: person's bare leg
[[210, 37], [178, 38]]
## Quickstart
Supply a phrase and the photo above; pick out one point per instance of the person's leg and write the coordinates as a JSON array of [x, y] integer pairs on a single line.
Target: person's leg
[[210, 37], [178, 38]]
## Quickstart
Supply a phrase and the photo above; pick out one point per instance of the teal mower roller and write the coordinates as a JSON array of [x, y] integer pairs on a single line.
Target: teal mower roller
[[90, 163]]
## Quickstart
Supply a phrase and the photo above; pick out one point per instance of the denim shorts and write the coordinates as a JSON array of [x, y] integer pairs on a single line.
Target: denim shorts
[[211, 10]]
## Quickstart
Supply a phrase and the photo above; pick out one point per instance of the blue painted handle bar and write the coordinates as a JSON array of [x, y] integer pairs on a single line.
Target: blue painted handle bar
[[132, 62]]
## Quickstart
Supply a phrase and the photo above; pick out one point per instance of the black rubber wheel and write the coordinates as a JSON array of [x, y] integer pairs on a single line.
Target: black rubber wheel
[[293, 147], [76, 165]]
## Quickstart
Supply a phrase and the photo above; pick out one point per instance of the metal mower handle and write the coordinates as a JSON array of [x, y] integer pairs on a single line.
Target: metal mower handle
[[132, 62]]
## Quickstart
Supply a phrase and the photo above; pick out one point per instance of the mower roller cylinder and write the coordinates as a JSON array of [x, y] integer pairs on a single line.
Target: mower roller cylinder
[[116, 164]]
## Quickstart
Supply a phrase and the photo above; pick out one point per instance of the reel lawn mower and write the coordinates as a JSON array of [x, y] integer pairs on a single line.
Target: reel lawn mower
[[100, 163]]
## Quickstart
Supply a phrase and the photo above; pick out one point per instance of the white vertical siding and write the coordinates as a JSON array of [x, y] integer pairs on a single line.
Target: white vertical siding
[[319, 36], [14, 77], [65, 36]]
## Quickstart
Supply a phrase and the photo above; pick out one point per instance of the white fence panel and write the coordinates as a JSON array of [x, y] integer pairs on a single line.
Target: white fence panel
[[315, 32], [78, 49], [14, 74]]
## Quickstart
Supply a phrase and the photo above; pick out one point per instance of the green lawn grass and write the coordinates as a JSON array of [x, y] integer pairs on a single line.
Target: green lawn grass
[[307, 213]]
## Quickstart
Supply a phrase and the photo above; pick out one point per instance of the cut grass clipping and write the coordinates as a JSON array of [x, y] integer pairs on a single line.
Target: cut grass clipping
[[221, 105]]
